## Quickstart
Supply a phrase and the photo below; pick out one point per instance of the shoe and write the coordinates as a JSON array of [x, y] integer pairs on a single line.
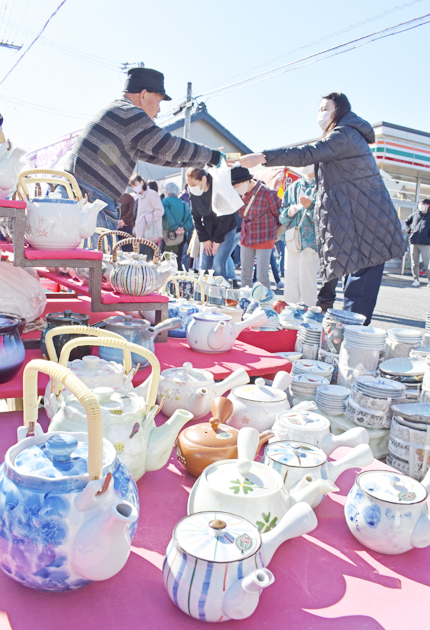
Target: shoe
[[236, 285], [415, 283], [280, 285]]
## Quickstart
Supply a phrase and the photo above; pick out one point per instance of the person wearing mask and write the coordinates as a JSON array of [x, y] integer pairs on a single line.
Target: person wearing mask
[[301, 268], [260, 214], [149, 212], [215, 233], [418, 224], [151, 183], [356, 226], [105, 155], [177, 220]]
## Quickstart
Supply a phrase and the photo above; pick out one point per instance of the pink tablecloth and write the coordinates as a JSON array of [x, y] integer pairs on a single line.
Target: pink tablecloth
[[55, 254], [323, 581]]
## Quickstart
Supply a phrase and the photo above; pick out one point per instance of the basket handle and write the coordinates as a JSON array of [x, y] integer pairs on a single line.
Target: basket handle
[[144, 241], [183, 277], [85, 396], [53, 178], [115, 233], [127, 348], [75, 330]]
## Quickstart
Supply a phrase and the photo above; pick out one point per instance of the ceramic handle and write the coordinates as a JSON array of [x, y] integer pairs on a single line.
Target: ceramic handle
[[30, 176], [127, 348], [426, 481], [357, 457], [130, 241], [256, 319], [85, 396], [352, 437], [247, 445], [300, 519], [282, 380], [91, 331], [236, 378], [114, 233], [168, 324]]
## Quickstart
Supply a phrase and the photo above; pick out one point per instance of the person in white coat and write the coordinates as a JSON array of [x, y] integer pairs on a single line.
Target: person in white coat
[[149, 213], [301, 267]]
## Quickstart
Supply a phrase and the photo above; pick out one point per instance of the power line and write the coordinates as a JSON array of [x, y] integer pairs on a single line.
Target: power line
[[50, 110], [382, 33], [34, 40]]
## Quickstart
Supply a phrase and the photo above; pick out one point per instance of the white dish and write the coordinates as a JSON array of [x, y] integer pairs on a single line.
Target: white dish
[[404, 366]]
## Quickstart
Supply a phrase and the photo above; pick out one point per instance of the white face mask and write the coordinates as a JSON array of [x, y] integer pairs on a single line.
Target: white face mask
[[422, 207], [242, 189], [324, 119], [195, 190], [137, 188]]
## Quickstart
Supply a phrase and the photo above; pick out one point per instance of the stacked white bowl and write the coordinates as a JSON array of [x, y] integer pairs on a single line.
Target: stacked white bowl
[[406, 370], [332, 399], [371, 400], [307, 366], [308, 339], [360, 352], [408, 336], [305, 385], [364, 338], [408, 447]]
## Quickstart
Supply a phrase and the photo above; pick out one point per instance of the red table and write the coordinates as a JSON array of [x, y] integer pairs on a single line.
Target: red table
[[323, 581]]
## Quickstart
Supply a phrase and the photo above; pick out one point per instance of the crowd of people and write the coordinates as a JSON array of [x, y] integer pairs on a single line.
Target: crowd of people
[[337, 220]]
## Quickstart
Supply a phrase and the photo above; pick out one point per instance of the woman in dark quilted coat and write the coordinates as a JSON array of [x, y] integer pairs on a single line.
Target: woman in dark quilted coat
[[357, 228]]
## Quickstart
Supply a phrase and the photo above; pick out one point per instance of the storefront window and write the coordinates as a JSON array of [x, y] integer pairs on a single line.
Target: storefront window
[[425, 189], [404, 189]]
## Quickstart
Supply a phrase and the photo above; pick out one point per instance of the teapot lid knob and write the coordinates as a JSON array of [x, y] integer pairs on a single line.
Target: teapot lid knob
[[60, 447], [217, 524], [187, 367], [260, 382], [128, 318]]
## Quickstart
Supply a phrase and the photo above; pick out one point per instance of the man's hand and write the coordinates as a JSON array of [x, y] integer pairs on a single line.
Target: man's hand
[[120, 224], [207, 248], [305, 201], [252, 159], [215, 247]]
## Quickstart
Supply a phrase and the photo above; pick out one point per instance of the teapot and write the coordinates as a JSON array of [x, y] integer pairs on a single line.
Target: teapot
[[212, 331], [387, 511], [92, 370], [294, 460], [134, 275], [313, 428], [203, 444], [12, 352], [65, 320], [250, 489], [128, 419], [10, 165], [53, 222], [228, 555], [193, 389], [137, 331], [258, 405], [69, 508]]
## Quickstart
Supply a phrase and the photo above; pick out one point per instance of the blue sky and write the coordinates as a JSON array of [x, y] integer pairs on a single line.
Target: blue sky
[[212, 44]]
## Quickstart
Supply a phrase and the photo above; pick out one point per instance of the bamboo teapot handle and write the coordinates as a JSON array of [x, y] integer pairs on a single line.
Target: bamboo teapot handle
[[91, 331], [31, 176], [131, 240]]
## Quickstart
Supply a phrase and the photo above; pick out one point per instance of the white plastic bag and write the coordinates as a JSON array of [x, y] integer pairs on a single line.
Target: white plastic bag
[[225, 200], [20, 292]]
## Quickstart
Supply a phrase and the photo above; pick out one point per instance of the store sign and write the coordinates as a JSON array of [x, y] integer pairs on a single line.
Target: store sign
[[387, 151]]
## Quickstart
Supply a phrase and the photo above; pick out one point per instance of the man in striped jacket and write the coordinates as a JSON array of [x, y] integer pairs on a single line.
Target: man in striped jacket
[[106, 152]]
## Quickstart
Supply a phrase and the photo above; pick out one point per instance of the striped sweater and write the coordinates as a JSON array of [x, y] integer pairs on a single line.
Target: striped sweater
[[107, 150]]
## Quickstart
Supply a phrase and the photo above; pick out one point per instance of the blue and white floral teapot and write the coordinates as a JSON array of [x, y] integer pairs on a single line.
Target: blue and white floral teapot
[[68, 506]]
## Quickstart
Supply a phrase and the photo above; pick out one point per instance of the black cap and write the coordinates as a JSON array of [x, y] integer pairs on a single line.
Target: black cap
[[240, 174], [139, 79]]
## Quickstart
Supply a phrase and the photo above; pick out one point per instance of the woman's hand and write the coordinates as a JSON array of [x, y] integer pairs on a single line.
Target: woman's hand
[[292, 211], [207, 248], [305, 201], [180, 230], [120, 224], [251, 160], [215, 247]]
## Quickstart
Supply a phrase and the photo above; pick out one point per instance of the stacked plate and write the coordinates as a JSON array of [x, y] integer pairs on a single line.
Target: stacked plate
[[408, 336], [408, 447], [406, 370], [428, 322], [306, 366], [305, 385], [379, 387], [364, 338], [308, 339], [332, 399]]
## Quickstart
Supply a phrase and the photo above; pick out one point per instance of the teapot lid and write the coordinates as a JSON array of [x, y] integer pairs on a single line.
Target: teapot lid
[[67, 317], [188, 374], [295, 454], [211, 435], [243, 478], [61, 455], [306, 419], [391, 486], [217, 537], [94, 367], [212, 316], [126, 321], [9, 323], [260, 392]]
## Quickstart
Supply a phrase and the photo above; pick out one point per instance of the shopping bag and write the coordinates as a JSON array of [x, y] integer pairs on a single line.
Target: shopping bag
[[225, 200]]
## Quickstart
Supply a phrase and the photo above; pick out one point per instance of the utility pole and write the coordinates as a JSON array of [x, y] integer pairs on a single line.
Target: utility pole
[[187, 125]]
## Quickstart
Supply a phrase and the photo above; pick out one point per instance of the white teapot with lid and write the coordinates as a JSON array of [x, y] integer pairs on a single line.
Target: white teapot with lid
[[215, 564], [250, 489], [258, 405], [387, 511]]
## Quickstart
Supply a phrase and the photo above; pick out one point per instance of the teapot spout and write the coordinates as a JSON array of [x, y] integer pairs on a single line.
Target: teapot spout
[[242, 597], [216, 338], [198, 403], [162, 439], [102, 544], [88, 217]]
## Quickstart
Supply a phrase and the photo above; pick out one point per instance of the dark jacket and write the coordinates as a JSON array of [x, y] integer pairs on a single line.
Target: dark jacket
[[419, 228], [356, 224], [209, 226], [127, 209]]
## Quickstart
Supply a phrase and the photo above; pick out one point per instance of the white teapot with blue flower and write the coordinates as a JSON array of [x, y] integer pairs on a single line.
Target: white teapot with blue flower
[[68, 506], [387, 511]]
